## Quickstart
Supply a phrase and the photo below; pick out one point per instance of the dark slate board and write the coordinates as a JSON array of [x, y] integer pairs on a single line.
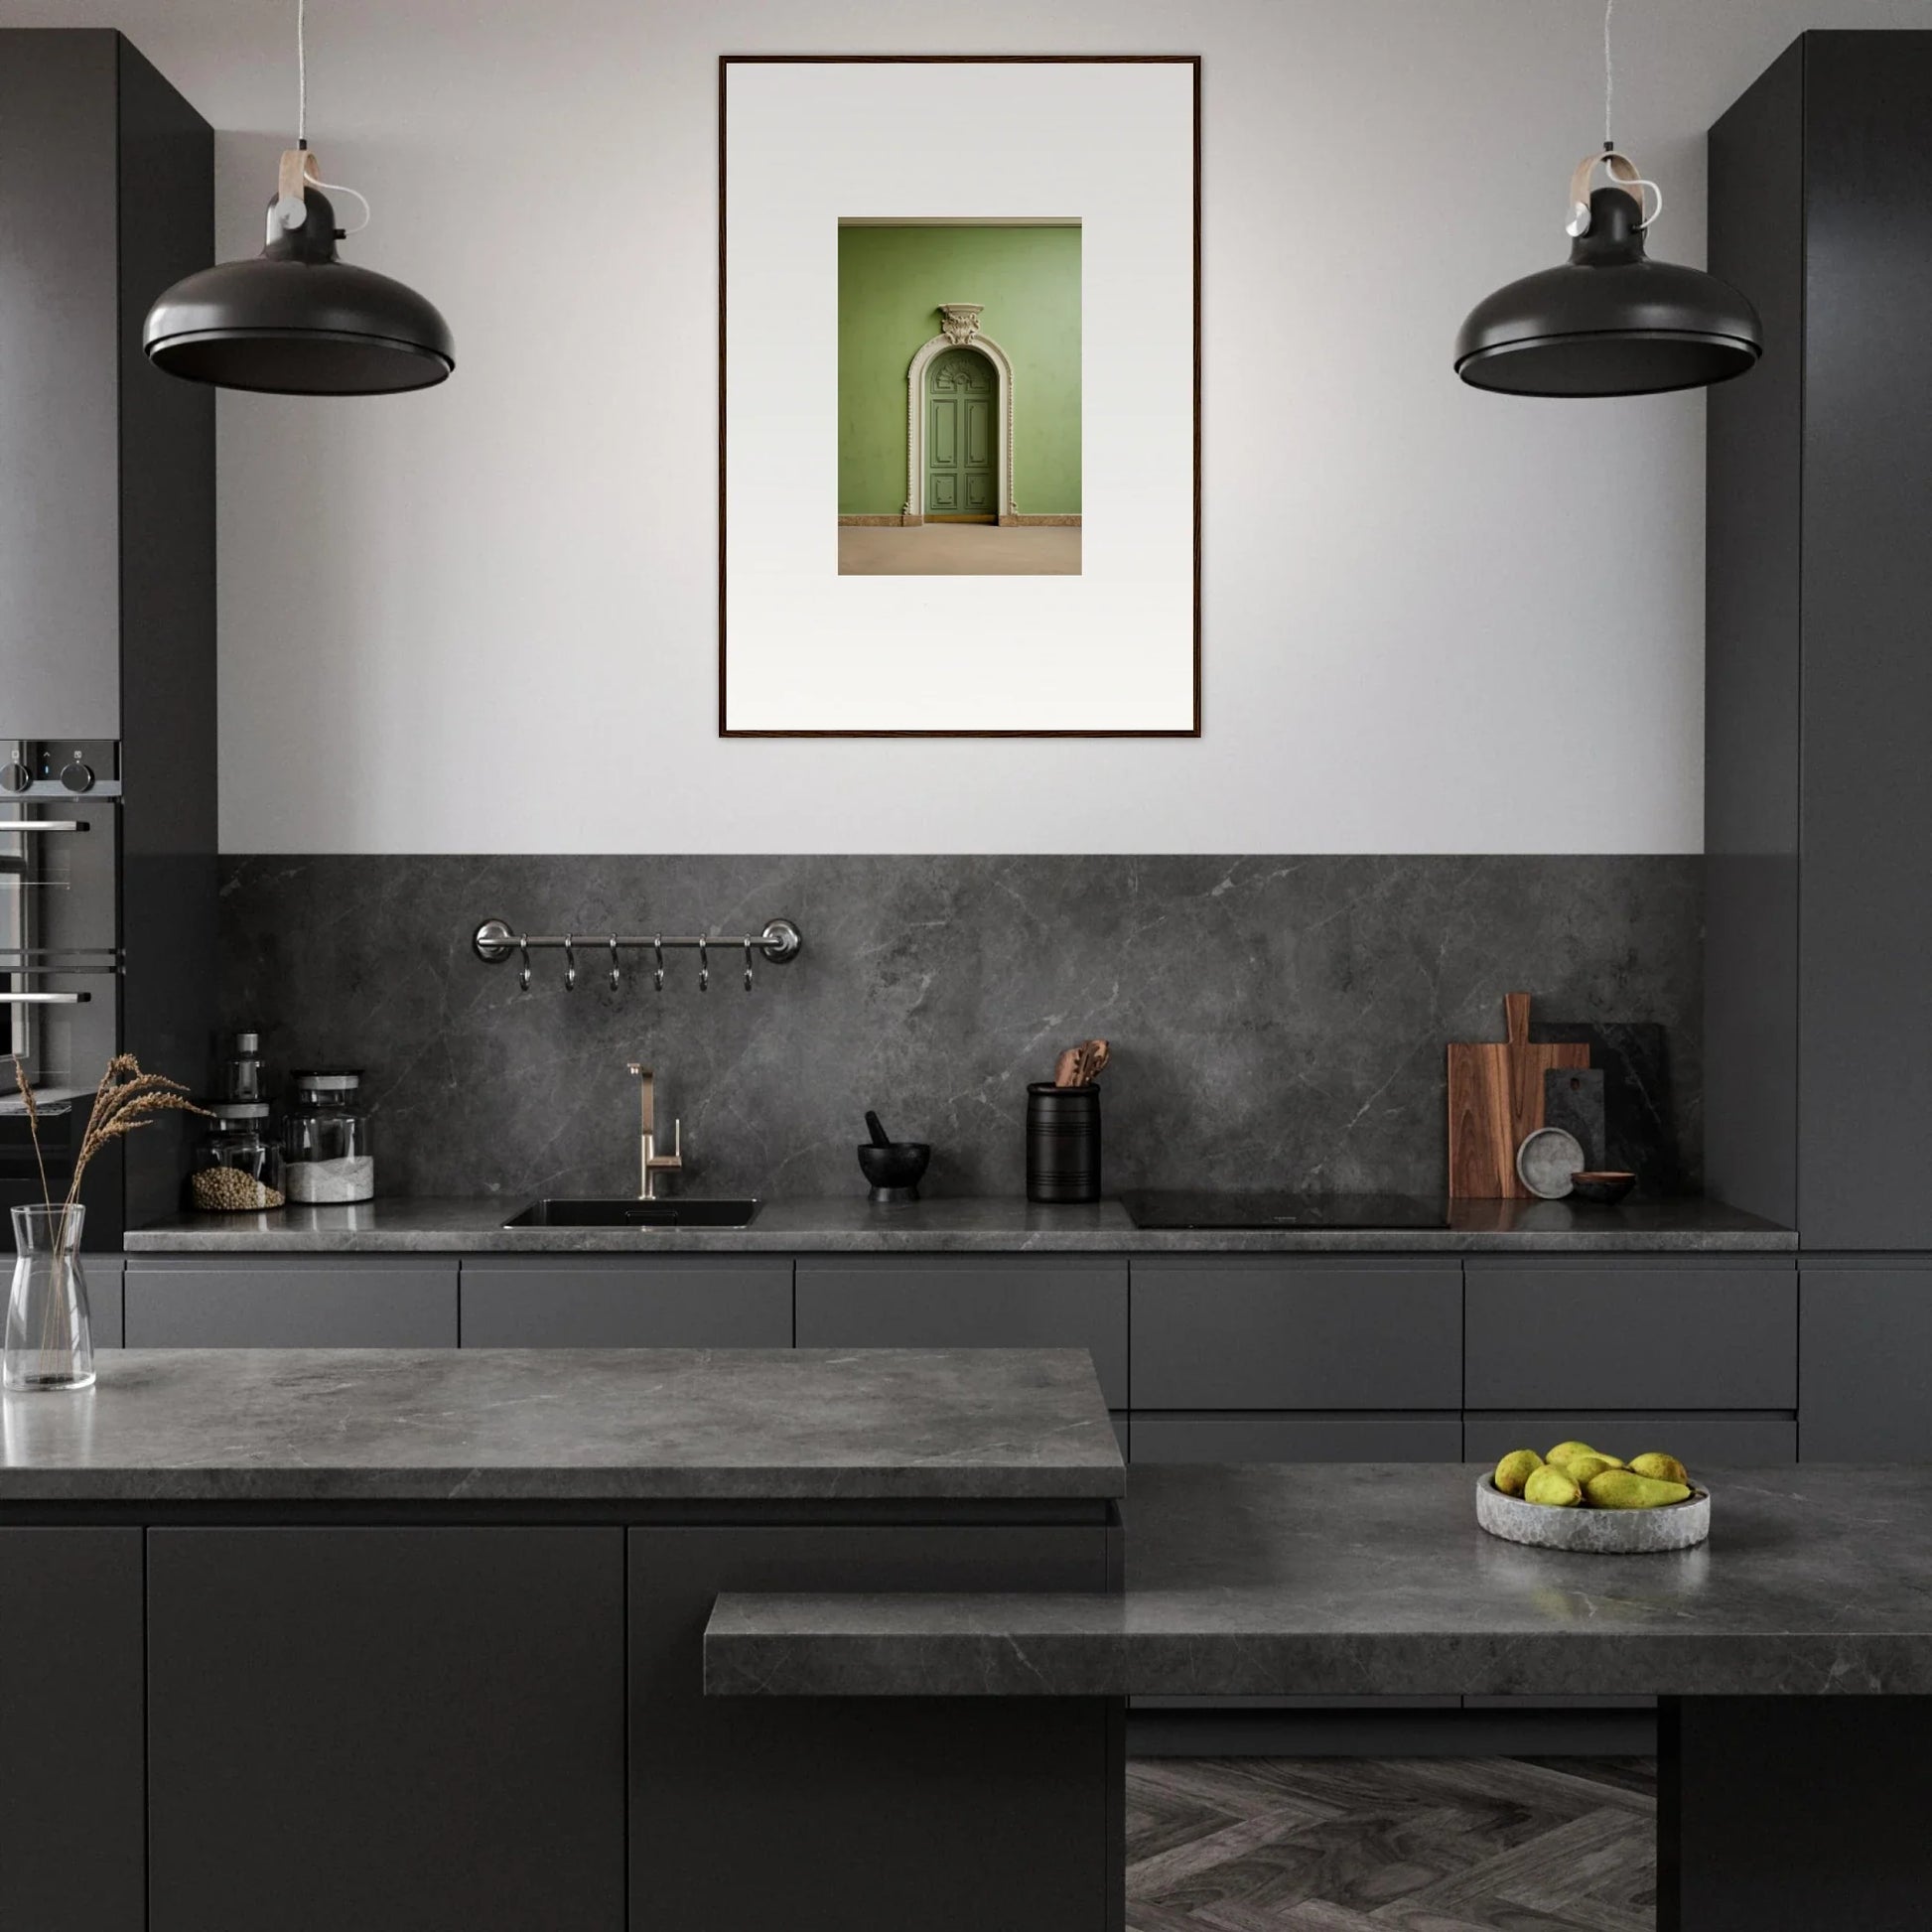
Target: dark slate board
[[1638, 1126], [1573, 1099]]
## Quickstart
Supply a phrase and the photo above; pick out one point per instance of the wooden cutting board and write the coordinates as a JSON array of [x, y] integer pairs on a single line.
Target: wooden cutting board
[[1495, 1100]]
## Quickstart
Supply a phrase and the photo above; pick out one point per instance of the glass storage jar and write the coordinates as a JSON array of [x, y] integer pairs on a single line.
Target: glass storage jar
[[239, 1067], [326, 1138], [238, 1164]]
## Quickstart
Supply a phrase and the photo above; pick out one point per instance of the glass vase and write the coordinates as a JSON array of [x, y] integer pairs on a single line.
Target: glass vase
[[50, 1338]]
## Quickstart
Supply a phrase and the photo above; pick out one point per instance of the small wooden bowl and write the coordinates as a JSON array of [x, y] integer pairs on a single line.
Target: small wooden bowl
[[1605, 1185]]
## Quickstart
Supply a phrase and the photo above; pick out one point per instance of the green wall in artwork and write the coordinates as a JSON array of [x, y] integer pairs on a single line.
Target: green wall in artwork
[[891, 281]]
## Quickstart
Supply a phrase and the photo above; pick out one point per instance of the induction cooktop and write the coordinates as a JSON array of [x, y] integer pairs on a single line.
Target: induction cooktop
[[1154, 1209]]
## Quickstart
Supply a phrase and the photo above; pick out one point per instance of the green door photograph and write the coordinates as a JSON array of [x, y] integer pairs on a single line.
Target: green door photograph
[[961, 395]]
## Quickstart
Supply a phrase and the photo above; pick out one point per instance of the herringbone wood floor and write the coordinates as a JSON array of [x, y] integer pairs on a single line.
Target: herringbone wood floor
[[1391, 1844]]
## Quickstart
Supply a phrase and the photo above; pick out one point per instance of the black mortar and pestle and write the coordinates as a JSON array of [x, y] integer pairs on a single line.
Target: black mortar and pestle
[[892, 1167]]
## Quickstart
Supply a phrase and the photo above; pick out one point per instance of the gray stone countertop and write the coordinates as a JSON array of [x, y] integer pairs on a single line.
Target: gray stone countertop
[[297, 1424], [851, 1225], [1373, 1578]]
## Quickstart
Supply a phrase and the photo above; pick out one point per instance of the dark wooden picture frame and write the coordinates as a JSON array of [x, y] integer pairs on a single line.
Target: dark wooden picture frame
[[728, 60]]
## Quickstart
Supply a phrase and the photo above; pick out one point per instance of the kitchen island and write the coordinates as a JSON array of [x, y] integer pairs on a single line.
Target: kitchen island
[[1793, 1651], [413, 1639]]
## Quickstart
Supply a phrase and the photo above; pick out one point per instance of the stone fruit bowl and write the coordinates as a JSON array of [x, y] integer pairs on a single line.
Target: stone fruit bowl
[[1597, 1532]]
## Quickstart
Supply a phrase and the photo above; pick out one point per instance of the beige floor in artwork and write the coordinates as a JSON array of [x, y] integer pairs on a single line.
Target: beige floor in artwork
[[959, 550]]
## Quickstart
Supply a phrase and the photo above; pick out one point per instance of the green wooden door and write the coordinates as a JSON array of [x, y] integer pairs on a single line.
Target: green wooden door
[[961, 412]]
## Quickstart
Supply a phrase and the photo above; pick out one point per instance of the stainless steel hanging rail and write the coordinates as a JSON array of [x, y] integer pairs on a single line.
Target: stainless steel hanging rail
[[495, 940]]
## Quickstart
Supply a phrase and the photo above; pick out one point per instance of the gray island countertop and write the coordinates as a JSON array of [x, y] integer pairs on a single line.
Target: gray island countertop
[[1373, 1579], [538, 1426], [963, 1225]]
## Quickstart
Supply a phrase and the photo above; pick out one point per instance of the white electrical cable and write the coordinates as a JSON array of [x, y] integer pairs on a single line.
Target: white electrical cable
[[1609, 74], [294, 208], [336, 188]]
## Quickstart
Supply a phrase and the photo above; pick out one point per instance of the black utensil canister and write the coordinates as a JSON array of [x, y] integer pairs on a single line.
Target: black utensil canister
[[1063, 1143]]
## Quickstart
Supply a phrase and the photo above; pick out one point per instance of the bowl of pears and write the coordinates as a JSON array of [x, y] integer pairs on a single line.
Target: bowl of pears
[[1583, 1498]]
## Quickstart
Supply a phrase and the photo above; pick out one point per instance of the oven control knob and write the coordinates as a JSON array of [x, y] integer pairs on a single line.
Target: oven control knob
[[15, 776], [78, 776]]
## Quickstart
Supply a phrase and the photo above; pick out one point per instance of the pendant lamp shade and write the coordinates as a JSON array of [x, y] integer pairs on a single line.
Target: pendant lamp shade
[[299, 321], [1610, 322]]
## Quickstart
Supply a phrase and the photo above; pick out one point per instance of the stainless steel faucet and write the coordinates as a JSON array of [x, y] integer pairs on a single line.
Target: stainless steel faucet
[[650, 1162]]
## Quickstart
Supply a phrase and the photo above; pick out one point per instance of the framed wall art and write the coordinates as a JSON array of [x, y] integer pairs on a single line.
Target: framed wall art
[[959, 396]]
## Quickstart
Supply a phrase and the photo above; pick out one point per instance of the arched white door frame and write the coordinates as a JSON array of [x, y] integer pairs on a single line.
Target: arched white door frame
[[916, 423]]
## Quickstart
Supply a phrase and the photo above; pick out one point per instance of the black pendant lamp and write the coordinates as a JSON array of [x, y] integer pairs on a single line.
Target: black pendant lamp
[[1610, 322], [298, 320]]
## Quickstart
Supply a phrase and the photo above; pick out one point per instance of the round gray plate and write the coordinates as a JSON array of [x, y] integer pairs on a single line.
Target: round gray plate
[[1599, 1532], [1546, 1160]]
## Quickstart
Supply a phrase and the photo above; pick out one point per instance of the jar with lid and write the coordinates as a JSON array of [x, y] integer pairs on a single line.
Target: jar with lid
[[239, 1067], [239, 1163], [326, 1138]]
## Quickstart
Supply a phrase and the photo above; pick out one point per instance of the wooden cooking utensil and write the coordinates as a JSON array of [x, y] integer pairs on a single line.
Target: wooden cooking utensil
[[1495, 1101]]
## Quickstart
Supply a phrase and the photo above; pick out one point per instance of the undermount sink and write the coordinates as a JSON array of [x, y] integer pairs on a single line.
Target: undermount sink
[[634, 1213]]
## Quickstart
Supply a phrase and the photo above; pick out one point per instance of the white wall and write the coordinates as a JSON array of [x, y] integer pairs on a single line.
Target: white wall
[[484, 619]]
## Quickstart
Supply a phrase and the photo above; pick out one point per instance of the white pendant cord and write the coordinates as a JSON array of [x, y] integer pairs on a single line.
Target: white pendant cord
[[1610, 74], [1619, 166], [290, 212]]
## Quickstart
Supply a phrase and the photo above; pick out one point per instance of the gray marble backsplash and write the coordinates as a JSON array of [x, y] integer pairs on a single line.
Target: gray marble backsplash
[[1276, 1022]]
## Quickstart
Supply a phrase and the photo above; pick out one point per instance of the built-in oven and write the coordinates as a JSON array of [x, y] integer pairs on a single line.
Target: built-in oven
[[61, 953]]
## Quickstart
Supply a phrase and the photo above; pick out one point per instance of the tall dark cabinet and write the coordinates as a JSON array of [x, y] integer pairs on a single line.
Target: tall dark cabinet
[[1819, 717], [107, 695]]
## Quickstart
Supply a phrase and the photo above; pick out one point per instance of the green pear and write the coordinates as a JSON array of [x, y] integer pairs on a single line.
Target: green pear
[[1624, 1489], [1550, 1487], [1581, 1468], [1666, 1469], [1515, 1470]]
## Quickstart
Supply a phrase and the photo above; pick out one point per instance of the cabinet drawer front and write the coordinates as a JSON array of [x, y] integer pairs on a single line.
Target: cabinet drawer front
[[105, 1298], [1866, 1386], [944, 1302], [1721, 1441], [1269, 1334], [253, 1305], [1631, 1337], [409, 1727], [697, 1302], [1297, 1439]]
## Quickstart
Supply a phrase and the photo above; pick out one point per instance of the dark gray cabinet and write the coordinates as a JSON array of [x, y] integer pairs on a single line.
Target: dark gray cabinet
[[961, 1301], [1269, 1333], [104, 1273], [71, 1774], [1298, 1438], [612, 1301], [1817, 681], [281, 1301], [962, 1805], [1866, 1346], [418, 1727], [107, 527], [1702, 1439], [1547, 1332]]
